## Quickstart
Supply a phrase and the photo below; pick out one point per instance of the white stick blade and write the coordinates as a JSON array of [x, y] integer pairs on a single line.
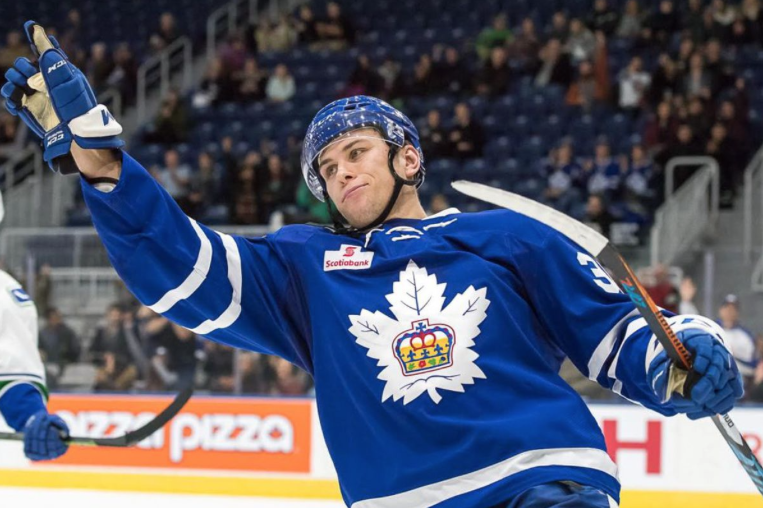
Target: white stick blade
[[584, 236]]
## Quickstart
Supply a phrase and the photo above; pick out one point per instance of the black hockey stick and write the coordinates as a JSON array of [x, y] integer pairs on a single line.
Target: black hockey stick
[[131, 438], [599, 247]]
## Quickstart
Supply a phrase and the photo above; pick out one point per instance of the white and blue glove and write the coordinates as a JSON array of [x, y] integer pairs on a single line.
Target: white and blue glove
[[714, 384], [55, 100], [45, 436]]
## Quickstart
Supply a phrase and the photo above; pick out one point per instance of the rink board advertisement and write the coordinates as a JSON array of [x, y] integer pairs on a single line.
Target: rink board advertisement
[[254, 446]]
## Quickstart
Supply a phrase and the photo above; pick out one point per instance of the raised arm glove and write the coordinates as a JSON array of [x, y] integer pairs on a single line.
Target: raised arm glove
[[55, 100]]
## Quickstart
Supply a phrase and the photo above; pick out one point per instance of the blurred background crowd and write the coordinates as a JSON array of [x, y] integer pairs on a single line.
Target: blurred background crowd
[[577, 104]]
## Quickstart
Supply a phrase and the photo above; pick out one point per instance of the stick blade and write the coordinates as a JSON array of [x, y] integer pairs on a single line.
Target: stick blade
[[584, 236]]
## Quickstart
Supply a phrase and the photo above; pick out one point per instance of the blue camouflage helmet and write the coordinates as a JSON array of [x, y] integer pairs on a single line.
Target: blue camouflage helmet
[[349, 114]]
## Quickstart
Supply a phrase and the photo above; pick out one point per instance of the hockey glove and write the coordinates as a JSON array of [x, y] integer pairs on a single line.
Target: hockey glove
[[55, 100], [44, 436], [718, 381]]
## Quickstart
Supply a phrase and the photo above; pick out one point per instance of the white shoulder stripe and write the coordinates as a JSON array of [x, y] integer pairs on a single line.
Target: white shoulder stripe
[[229, 316], [604, 349], [194, 279]]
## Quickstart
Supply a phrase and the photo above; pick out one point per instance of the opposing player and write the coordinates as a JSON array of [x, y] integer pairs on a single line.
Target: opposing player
[[434, 342], [23, 393]]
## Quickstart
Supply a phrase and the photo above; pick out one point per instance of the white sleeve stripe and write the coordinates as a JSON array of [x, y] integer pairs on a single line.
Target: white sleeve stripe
[[229, 316], [194, 279], [604, 349], [633, 327]]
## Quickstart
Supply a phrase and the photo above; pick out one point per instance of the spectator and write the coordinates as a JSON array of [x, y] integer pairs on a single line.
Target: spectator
[[251, 82], [721, 71], [204, 188], [171, 124], [166, 35], [697, 116], [560, 27], [281, 85], [687, 290], [12, 136], [631, 22], [218, 367], [497, 34], [555, 67], [693, 21], [637, 178], [664, 82], [280, 36], [751, 16], [662, 290], [114, 357], [663, 23], [494, 77], [724, 16], [697, 81], [563, 176], [438, 203], [306, 26], [634, 83], [59, 345], [246, 202], [592, 83], [451, 75], [174, 351], [685, 144], [597, 216], [603, 174], [278, 189], [99, 65], [686, 49], [603, 18], [525, 45], [433, 136], [581, 43], [257, 375], [335, 31], [392, 85], [364, 79], [71, 34], [174, 176], [466, 137], [722, 149], [289, 380], [422, 82], [124, 74], [215, 85], [14, 48], [737, 128], [740, 340], [234, 54], [660, 129], [309, 207]]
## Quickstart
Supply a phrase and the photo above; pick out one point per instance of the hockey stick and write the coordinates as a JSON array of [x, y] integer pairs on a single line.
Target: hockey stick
[[599, 247], [131, 438]]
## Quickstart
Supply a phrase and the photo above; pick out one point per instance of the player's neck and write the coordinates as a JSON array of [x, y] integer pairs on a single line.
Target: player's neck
[[408, 206]]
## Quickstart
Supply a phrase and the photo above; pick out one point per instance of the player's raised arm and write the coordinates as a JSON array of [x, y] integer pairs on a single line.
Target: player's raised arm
[[181, 269]]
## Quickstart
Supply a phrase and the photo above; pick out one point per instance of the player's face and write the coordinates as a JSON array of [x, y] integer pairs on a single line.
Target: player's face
[[356, 171]]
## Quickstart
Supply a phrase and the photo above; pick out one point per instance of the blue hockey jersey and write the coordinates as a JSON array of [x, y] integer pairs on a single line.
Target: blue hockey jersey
[[434, 344]]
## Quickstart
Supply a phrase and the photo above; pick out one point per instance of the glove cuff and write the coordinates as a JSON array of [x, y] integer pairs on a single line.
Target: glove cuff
[[96, 123]]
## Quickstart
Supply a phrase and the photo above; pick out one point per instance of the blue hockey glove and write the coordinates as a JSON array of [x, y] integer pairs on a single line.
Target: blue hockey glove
[[44, 436], [718, 381], [55, 100]]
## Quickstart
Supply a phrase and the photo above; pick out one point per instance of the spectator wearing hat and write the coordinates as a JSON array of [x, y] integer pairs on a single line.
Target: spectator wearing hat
[[740, 340]]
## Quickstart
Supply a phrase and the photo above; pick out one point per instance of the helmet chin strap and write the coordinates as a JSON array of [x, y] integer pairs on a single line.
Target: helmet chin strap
[[341, 228]]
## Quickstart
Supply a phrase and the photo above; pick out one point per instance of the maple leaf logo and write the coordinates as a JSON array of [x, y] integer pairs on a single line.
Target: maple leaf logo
[[426, 347]]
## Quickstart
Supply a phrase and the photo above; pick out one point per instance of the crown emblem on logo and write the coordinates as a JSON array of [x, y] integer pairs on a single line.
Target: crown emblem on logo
[[424, 347]]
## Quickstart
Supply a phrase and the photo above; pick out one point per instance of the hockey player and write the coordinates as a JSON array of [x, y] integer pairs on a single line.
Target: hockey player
[[22, 376], [434, 342]]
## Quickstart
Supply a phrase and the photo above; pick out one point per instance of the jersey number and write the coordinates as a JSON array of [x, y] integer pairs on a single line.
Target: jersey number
[[601, 278]]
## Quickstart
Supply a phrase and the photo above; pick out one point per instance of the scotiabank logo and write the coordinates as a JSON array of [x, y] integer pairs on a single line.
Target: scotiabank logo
[[348, 257], [256, 435]]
